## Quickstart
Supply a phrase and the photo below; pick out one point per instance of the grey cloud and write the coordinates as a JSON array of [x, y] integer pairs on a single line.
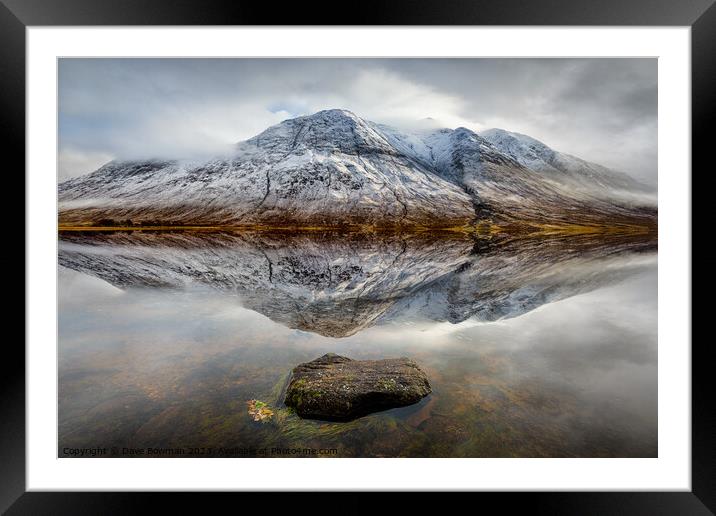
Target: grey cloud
[[603, 110]]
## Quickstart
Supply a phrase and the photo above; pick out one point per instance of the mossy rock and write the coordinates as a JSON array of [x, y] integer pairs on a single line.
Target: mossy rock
[[336, 388]]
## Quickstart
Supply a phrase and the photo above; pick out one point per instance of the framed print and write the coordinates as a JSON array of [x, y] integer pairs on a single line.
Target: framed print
[[443, 249]]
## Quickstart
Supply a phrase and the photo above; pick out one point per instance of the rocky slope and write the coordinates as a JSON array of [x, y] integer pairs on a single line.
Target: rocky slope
[[563, 169], [326, 169], [336, 169], [509, 185]]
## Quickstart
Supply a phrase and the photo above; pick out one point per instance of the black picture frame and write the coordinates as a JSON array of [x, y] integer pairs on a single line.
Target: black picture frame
[[700, 15]]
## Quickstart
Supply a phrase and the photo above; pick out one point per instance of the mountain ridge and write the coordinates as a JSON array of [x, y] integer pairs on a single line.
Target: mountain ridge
[[335, 168]]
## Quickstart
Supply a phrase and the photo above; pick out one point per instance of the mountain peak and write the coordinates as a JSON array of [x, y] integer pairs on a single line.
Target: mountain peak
[[334, 116], [525, 149], [333, 167], [565, 168], [464, 132], [335, 113], [331, 129], [502, 134]]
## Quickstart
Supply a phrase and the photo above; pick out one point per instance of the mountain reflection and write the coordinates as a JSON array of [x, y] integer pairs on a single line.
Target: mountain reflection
[[339, 284]]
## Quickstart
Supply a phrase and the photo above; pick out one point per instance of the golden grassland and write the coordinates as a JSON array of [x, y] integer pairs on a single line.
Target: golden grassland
[[581, 229], [483, 228]]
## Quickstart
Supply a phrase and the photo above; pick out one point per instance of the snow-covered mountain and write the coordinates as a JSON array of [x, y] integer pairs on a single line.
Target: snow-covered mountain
[[333, 168], [327, 168], [508, 184], [560, 167]]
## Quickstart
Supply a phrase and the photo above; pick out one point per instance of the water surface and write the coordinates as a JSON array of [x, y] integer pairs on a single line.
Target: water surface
[[541, 347]]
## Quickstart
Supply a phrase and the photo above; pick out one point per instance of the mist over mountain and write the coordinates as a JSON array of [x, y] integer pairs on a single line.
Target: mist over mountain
[[334, 168]]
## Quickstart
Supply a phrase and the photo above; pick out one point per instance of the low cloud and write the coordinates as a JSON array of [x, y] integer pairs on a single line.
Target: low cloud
[[74, 162], [603, 110]]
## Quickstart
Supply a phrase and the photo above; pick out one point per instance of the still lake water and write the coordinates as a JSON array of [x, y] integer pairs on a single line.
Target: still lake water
[[543, 347]]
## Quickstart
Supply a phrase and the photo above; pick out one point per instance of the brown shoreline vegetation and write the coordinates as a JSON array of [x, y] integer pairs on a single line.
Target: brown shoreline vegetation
[[482, 228]]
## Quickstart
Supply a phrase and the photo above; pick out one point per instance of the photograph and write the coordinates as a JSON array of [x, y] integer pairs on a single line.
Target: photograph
[[357, 257]]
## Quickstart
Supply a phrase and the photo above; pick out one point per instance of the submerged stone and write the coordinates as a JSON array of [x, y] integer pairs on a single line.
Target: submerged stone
[[336, 388]]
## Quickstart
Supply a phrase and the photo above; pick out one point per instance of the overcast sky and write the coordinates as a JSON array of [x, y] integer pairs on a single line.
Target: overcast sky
[[602, 110]]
